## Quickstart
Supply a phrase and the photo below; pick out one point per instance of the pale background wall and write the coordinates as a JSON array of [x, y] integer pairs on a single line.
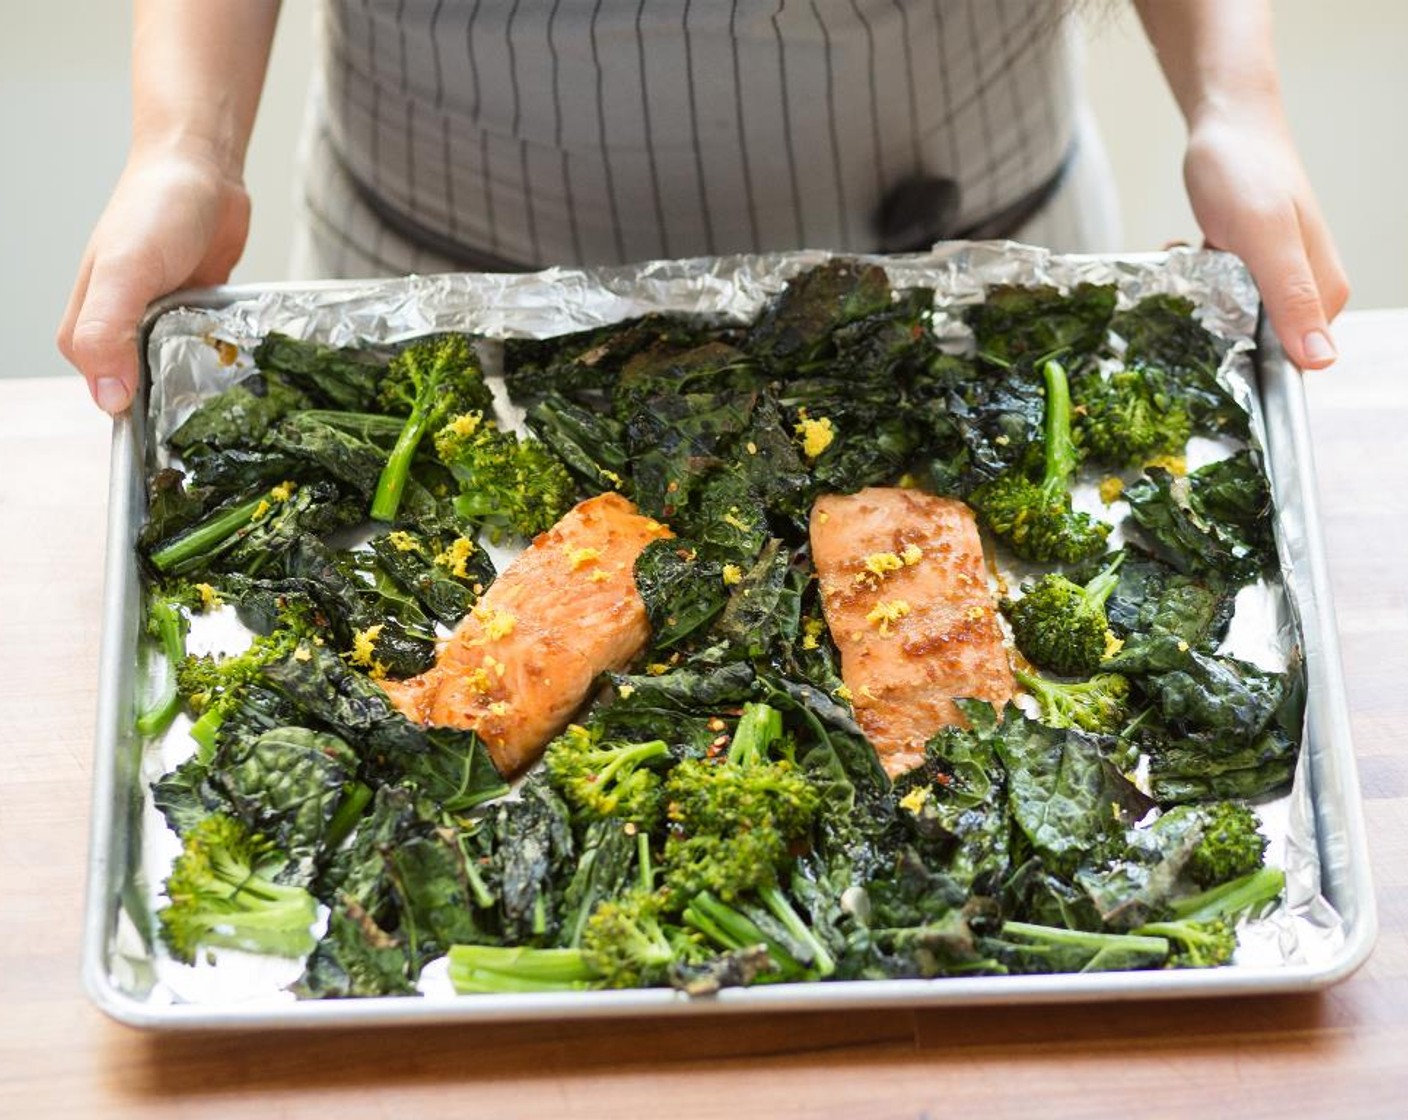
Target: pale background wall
[[64, 106]]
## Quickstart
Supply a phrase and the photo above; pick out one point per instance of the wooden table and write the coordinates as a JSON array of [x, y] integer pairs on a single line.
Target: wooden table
[[1343, 1053]]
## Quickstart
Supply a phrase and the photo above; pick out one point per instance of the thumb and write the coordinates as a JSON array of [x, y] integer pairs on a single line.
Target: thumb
[[103, 343]]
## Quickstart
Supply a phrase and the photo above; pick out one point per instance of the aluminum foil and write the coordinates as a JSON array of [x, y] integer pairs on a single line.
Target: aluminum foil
[[194, 352]]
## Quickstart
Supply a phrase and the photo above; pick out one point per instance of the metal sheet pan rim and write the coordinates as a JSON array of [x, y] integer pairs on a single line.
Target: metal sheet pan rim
[[1330, 735]]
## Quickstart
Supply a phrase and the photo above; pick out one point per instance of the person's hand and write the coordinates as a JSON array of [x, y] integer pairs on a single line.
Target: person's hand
[[1251, 196], [175, 219]]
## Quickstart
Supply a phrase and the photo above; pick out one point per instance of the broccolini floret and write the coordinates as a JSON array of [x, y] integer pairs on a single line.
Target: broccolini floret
[[427, 382], [1201, 928], [168, 623], [1060, 625], [507, 484], [1131, 417], [1035, 519], [214, 687], [1230, 845], [733, 823], [1100, 704], [223, 893], [627, 945], [606, 778]]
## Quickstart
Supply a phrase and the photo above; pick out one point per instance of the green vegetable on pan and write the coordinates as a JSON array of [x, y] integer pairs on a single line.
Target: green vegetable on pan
[[224, 893], [1035, 519], [715, 815], [1062, 626], [508, 485], [428, 382]]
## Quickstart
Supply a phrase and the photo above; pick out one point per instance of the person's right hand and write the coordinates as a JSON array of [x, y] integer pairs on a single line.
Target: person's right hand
[[175, 219]]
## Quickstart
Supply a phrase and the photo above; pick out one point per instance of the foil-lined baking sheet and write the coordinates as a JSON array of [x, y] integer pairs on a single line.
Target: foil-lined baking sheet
[[198, 349]]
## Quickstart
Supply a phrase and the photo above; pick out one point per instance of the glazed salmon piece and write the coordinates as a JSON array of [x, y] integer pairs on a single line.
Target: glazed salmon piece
[[906, 597], [521, 664]]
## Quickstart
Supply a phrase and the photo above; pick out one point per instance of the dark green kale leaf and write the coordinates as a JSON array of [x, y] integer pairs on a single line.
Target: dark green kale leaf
[[957, 804], [252, 531], [1205, 766], [173, 507], [981, 421], [714, 369], [344, 453], [1065, 796], [683, 593], [922, 923], [764, 609], [676, 441], [1217, 727], [587, 363], [452, 767], [590, 443], [1024, 326], [1153, 598], [446, 575], [345, 378], [728, 518], [796, 326], [765, 456], [356, 957], [296, 786], [237, 418], [313, 510], [434, 889], [1216, 521], [1219, 694], [236, 470], [535, 858], [1161, 331], [185, 795]]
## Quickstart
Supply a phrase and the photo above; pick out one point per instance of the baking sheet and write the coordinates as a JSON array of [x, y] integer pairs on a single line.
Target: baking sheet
[[1322, 932]]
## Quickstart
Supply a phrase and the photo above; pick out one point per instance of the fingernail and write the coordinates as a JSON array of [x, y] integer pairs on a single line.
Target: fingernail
[[1318, 348], [111, 395]]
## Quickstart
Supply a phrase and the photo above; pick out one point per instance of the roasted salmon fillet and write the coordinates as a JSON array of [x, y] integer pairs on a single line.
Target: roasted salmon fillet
[[906, 597], [518, 667]]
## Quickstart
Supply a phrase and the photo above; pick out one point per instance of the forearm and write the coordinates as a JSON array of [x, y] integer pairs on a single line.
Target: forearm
[[198, 68], [1217, 55], [1245, 180]]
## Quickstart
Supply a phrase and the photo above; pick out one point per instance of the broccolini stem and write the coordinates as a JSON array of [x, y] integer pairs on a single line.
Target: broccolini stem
[[391, 486], [634, 756], [204, 730], [349, 811], [188, 551], [758, 728], [644, 864], [1059, 935], [1061, 457], [1102, 586], [478, 889], [735, 931], [495, 968], [171, 633], [781, 909], [1232, 899]]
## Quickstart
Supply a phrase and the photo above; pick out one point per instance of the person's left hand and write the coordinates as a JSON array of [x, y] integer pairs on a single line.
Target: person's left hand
[[1251, 197]]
